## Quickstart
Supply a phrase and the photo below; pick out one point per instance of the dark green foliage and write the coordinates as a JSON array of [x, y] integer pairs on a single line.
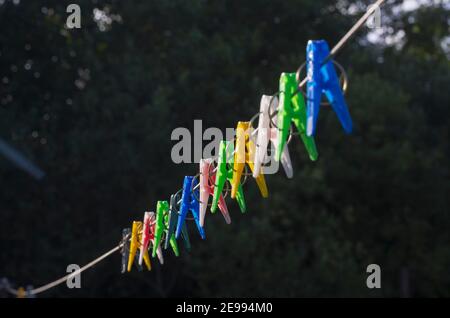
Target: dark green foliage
[[95, 109]]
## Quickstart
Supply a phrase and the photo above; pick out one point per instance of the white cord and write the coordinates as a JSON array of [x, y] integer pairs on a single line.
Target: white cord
[[66, 277]]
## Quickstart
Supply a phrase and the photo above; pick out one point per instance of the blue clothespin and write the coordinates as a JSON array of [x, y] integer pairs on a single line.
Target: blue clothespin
[[189, 202], [322, 78]]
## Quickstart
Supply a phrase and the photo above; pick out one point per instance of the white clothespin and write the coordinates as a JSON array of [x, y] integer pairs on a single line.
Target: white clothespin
[[266, 133]]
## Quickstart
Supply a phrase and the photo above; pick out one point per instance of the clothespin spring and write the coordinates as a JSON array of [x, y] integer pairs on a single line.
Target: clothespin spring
[[343, 79], [225, 192], [272, 114]]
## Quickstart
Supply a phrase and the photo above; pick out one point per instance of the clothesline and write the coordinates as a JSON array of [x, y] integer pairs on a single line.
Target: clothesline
[[333, 52], [65, 278]]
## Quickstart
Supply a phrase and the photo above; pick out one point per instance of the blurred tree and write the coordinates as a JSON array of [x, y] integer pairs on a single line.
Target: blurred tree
[[95, 108]]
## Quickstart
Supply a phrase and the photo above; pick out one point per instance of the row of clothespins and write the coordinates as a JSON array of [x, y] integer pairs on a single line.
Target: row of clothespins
[[167, 225]]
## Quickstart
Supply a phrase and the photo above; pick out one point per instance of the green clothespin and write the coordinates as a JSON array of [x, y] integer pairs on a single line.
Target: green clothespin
[[161, 208], [292, 109], [171, 224], [223, 174], [172, 240]]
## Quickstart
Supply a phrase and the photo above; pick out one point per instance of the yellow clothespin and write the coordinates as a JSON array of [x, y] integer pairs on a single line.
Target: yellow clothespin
[[21, 292], [136, 236], [245, 153]]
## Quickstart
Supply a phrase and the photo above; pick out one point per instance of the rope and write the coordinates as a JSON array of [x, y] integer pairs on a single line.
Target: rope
[[333, 52], [68, 276], [349, 34]]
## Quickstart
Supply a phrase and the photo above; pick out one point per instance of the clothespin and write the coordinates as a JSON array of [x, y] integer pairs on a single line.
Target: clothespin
[[207, 190], [136, 237], [225, 173], [21, 292], [145, 236], [172, 221], [125, 251], [152, 238], [189, 202], [170, 238], [322, 79], [291, 108], [29, 292], [162, 207], [265, 134], [245, 154]]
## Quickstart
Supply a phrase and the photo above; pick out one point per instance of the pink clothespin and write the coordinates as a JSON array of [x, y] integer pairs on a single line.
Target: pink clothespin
[[207, 182], [146, 235]]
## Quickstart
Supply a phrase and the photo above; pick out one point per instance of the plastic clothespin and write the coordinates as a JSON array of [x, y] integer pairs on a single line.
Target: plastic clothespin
[[21, 293], [162, 207], [152, 237], [265, 134], [207, 190], [291, 108], [125, 251], [145, 236], [28, 292], [245, 153], [322, 78], [225, 173], [172, 221], [170, 239], [136, 237], [189, 202]]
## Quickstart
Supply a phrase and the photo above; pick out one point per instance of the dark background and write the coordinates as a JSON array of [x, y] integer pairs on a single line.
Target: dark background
[[95, 109]]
